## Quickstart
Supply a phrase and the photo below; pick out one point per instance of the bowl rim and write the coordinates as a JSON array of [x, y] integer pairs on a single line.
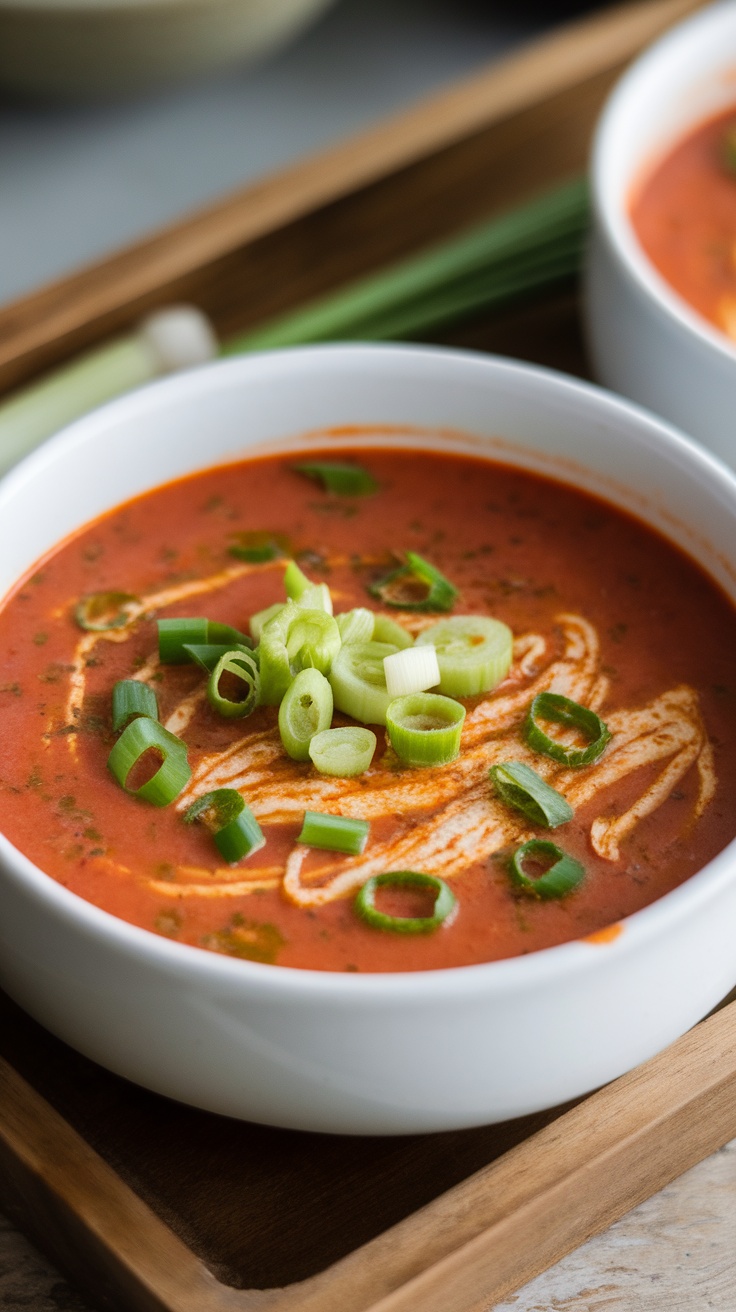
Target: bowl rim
[[609, 205], [302, 986]]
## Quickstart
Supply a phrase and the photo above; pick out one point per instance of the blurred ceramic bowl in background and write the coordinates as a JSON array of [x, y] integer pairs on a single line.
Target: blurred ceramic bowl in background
[[104, 48], [645, 340]]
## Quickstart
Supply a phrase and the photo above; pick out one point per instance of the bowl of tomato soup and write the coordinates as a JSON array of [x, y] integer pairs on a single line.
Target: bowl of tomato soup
[[369, 737], [661, 283]]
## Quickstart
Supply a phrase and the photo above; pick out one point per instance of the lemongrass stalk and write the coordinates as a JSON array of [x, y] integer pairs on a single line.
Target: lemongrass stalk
[[335, 315], [165, 342]]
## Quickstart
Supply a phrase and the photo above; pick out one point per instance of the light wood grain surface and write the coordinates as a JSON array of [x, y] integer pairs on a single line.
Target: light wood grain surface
[[674, 1253]]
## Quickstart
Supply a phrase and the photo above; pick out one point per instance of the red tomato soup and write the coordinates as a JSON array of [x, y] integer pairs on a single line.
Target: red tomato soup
[[684, 214], [603, 612]]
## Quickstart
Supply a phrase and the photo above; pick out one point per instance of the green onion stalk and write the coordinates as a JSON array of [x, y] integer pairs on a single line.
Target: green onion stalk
[[526, 251]]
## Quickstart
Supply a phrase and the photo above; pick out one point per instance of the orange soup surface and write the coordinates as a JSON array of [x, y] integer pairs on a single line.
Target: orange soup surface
[[684, 214], [603, 611]]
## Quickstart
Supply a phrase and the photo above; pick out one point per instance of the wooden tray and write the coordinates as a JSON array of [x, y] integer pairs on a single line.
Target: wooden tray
[[153, 1206]]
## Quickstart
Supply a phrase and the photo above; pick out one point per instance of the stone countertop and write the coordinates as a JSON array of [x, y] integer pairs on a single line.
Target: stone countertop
[[674, 1253]]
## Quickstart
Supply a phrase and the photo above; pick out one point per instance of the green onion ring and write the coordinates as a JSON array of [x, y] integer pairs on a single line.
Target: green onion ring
[[305, 710], [337, 476], [387, 630], [131, 698], [207, 654], [259, 547], [444, 907], [343, 753], [334, 833], [474, 653], [521, 787], [553, 706], [356, 625], [101, 611], [233, 826], [561, 878], [175, 635], [242, 666], [439, 593], [425, 728], [135, 740]]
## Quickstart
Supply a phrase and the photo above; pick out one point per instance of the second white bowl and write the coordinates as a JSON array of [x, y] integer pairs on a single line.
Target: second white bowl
[[646, 342]]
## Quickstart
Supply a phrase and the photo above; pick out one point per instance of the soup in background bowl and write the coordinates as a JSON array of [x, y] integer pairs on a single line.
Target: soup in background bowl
[[271, 986], [658, 287]]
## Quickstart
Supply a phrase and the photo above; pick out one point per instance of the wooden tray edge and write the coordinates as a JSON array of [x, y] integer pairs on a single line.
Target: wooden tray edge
[[466, 1250]]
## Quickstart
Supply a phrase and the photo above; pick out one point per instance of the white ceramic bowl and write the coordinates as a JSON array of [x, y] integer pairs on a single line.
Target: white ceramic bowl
[[103, 48], [373, 1053], [645, 340]]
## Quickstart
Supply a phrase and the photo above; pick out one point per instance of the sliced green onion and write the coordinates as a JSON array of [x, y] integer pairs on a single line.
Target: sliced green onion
[[521, 787], [414, 669], [387, 630], [356, 625], [257, 547], [295, 581], [336, 833], [311, 596], [425, 728], [233, 826], [343, 753], [337, 476], [239, 665], [316, 597], [359, 681], [207, 654], [562, 876], [258, 622], [175, 635], [101, 611], [295, 640], [417, 585], [221, 634], [444, 906], [129, 699], [141, 735], [553, 706], [305, 710], [474, 653]]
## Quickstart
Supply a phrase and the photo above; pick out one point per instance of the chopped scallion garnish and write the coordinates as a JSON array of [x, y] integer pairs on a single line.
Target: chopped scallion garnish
[[445, 902], [239, 667], [131, 698], [387, 630], [143, 735], [258, 622], [553, 706], [234, 828], [257, 548], [101, 611], [474, 653], [305, 710], [414, 669], [356, 625], [425, 728], [561, 876], [175, 635], [359, 682], [207, 654], [339, 477], [294, 640], [343, 753], [521, 787], [417, 585], [335, 833]]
